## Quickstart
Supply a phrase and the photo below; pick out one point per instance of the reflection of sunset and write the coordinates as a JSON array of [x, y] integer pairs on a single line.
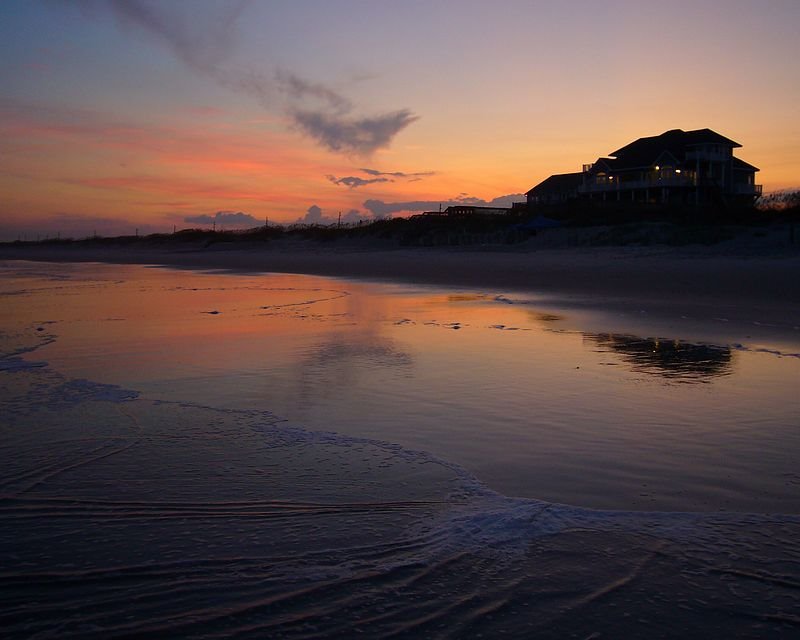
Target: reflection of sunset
[[524, 396]]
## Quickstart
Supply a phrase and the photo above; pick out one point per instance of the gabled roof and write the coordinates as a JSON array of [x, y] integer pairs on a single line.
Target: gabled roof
[[558, 183], [644, 151], [666, 157], [743, 166], [603, 164]]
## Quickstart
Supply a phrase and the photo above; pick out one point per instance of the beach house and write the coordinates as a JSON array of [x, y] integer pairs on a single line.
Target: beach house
[[677, 167]]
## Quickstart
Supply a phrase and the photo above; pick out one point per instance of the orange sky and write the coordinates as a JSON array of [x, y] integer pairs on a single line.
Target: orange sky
[[108, 123]]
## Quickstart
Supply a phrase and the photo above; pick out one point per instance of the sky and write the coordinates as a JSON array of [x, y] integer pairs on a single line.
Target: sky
[[126, 115]]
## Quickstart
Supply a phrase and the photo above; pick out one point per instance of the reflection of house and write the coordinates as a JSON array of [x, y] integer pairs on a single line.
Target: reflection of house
[[668, 358], [682, 167]]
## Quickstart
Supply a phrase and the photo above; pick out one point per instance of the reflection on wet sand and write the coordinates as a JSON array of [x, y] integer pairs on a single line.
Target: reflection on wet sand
[[672, 359], [339, 364]]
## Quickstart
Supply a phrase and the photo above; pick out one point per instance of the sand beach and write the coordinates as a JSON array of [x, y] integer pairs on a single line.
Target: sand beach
[[315, 440], [753, 279]]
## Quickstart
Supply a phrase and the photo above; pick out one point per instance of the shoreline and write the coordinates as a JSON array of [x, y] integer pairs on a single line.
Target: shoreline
[[757, 290]]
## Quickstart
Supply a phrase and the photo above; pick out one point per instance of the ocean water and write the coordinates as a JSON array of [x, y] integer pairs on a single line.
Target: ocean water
[[194, 454]]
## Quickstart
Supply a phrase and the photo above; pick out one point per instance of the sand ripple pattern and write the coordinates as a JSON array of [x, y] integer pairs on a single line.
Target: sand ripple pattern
[[126, 518]]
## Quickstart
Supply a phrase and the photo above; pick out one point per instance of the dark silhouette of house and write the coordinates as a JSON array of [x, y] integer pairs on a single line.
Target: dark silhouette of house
[[466, 210], [557, 189], [676, 167]]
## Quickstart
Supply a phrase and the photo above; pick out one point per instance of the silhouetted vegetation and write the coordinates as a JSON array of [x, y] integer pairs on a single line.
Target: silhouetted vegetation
[[781, 205], [617, 223]]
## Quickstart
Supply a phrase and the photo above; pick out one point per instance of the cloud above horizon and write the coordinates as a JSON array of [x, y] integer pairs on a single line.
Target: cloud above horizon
[[204, 40], [411, 177], [381, 209], [224, 219], [354, 182], [316, 216], [351, 135], [72, 224]]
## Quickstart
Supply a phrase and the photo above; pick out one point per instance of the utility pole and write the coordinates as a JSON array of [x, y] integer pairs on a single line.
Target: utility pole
[[339, 224]]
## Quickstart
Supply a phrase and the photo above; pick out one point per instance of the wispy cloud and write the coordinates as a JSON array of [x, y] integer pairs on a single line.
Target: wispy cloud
[[204, 39], [201, 39], [354, 182], [299, 89], [411, 177]]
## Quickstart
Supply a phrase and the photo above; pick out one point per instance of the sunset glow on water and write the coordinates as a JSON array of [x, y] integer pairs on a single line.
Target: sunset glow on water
[[517, 394], [543, 385], [199, 454]]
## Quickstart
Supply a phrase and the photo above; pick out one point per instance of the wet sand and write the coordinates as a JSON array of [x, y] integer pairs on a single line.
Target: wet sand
[[747, 287], [177, 519]]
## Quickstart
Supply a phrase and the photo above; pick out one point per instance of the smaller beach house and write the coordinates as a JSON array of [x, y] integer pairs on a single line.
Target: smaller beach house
[[677, 167]]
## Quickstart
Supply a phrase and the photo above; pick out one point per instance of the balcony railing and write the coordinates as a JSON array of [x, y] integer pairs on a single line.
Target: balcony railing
[[747, 189], [624, 185], [673, 181]]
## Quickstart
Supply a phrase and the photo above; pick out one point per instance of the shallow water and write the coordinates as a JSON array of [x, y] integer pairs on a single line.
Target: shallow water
[[217, 455], [513, 391]]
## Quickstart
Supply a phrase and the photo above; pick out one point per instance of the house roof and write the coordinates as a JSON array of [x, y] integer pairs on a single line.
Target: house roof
[[558, 183], [644, 151], [476, 208], [603, 164], [743, 166]]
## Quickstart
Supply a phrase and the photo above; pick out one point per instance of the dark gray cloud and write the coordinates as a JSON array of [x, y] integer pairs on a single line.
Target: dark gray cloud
[[353, 216], [315, 215], [202, 38], [299, 89], [354, 181], [351, 135], [411, 177], [381, 209], [224, 219]]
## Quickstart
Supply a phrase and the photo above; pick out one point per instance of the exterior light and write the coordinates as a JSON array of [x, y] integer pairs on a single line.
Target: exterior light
[[658, 168], [677, 170]]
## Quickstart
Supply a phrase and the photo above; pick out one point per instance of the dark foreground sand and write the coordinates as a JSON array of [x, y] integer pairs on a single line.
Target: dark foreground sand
[[746, 286]]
